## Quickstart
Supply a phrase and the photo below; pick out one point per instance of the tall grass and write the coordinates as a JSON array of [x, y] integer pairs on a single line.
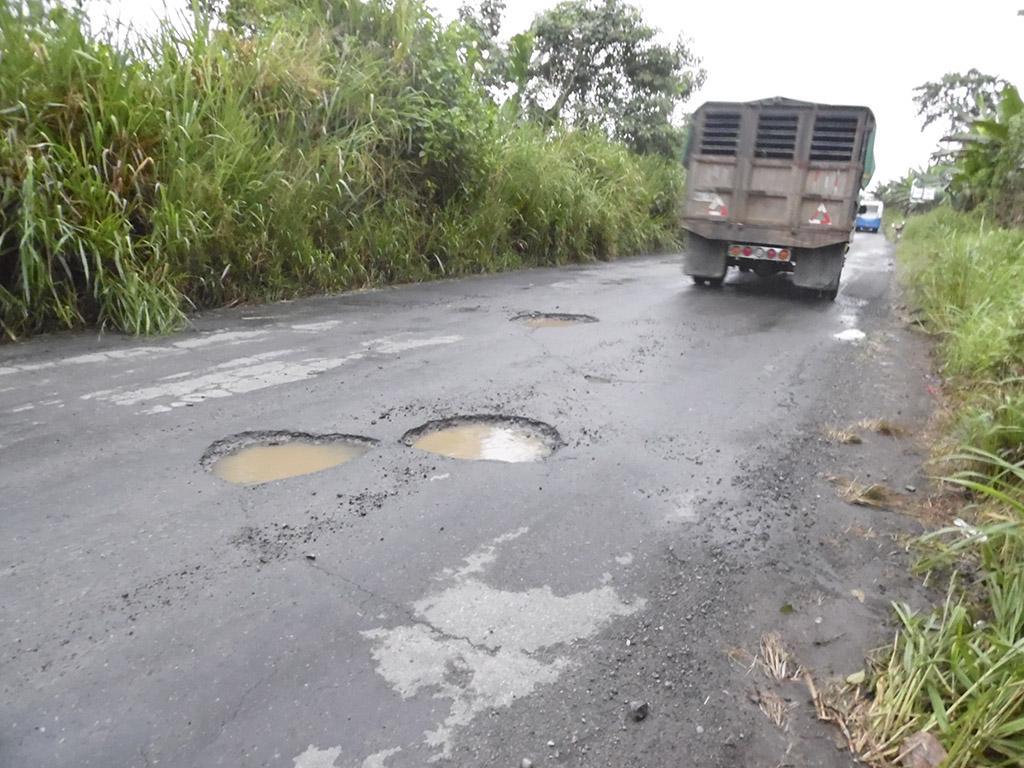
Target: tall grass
[[958, 672], [328, 145], [966, 275]]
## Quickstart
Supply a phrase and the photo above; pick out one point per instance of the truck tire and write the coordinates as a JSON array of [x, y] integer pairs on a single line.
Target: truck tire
[[705, 260]]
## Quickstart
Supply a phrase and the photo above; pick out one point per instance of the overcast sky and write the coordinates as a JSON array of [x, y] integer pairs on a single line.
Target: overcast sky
[[870, 53]]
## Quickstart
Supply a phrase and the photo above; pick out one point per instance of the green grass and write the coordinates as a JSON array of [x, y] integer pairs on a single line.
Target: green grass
[[333, 144], [966, 275], [958, 671]]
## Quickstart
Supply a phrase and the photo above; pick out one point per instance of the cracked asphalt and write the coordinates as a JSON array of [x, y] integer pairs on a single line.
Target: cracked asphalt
[[407, 608]]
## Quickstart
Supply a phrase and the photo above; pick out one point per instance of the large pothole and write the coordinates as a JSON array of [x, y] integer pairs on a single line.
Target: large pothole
[[552, 319], [486, 438], [252, 458]]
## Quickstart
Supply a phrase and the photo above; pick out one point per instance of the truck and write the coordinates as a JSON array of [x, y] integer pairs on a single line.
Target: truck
[[773, 186], [869, 216]]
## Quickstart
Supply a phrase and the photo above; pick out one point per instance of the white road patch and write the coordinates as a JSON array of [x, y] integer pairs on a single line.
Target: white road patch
[[235, 377], [317, 327], [317, 758], [22, 408], [684, 509], [445, 476], [483, 557], [475, 644], [379, 759], [389, 345], [850, 334], [222, 337], [626, 559], [92, 357], [112, 355], [245, 374]]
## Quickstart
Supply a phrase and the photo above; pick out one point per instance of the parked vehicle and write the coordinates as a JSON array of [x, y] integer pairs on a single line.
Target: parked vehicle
[[869, 216], [772, 186]]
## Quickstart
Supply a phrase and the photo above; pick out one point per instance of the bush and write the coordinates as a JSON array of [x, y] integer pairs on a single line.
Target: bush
[[331, 145]]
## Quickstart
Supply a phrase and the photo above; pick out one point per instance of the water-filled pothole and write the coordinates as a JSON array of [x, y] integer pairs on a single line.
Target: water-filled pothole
[[552, 319], [486, 438], [252, 458]]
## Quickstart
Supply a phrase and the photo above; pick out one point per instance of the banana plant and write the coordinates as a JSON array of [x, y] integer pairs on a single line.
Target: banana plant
[[981, 157]]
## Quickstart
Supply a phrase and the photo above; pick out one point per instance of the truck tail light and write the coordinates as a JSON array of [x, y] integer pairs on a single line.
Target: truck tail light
[[784, 254], [735, 250], [747, 250], [771, 253]]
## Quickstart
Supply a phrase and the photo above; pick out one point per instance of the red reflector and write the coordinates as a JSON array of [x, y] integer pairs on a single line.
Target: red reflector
[[747, 250]]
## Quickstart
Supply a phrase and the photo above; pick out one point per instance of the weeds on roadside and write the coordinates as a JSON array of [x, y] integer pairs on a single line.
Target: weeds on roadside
[[958, 671], [331, 146]]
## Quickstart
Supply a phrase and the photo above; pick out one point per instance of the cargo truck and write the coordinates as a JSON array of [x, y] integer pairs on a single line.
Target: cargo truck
[[773, 186]]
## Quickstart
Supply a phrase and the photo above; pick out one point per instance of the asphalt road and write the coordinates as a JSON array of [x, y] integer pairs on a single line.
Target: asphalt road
[[406, 608]]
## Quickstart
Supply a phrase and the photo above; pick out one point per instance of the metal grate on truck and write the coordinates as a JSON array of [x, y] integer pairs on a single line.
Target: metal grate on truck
[[721, 133], [776, 136], [834, 138]]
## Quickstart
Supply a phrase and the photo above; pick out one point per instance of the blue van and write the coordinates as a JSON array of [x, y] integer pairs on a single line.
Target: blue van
[[869, 216]]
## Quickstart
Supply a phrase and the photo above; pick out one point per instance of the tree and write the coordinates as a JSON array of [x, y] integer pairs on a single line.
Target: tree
[[597, 64], [958, 99], [487, 56], [991, 159]]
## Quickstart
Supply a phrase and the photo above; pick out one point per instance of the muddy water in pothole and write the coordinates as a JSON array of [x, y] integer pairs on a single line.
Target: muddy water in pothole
[[485, 442], [264, 463], [549, 322], [552, 319]]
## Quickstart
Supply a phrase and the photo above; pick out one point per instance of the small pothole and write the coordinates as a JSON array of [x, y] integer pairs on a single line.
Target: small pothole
[[552, 319], [486, 438], [252, 458]]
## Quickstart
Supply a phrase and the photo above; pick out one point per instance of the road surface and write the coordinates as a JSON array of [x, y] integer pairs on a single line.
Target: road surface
[[407, 608]]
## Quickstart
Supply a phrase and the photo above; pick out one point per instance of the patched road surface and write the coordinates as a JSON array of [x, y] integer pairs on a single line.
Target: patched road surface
[[647, 492]]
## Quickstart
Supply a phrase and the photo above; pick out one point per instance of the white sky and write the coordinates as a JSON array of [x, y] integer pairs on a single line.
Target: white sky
[[833, 51]]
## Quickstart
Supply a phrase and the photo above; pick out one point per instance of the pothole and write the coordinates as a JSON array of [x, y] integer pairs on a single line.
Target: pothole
[[252, 458], [486, 438], [552, 319]]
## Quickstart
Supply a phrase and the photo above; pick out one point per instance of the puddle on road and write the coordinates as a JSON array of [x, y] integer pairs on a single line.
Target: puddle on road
[[253, 458], [486, 438], [552, 319], [850, 334]]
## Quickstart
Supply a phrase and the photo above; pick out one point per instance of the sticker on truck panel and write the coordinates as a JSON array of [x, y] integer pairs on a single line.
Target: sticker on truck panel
[[716, 205], [822, 216]]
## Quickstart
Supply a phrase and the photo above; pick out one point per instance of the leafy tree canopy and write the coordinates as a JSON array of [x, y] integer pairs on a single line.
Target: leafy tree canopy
[[958, 99], [597, 63]]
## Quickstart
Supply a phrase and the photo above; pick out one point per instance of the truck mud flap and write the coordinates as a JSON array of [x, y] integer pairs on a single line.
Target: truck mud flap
[[703, 257], [819, 268]]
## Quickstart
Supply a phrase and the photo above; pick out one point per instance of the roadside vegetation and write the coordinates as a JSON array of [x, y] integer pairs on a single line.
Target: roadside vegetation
[[957, 673], [276, 149]]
